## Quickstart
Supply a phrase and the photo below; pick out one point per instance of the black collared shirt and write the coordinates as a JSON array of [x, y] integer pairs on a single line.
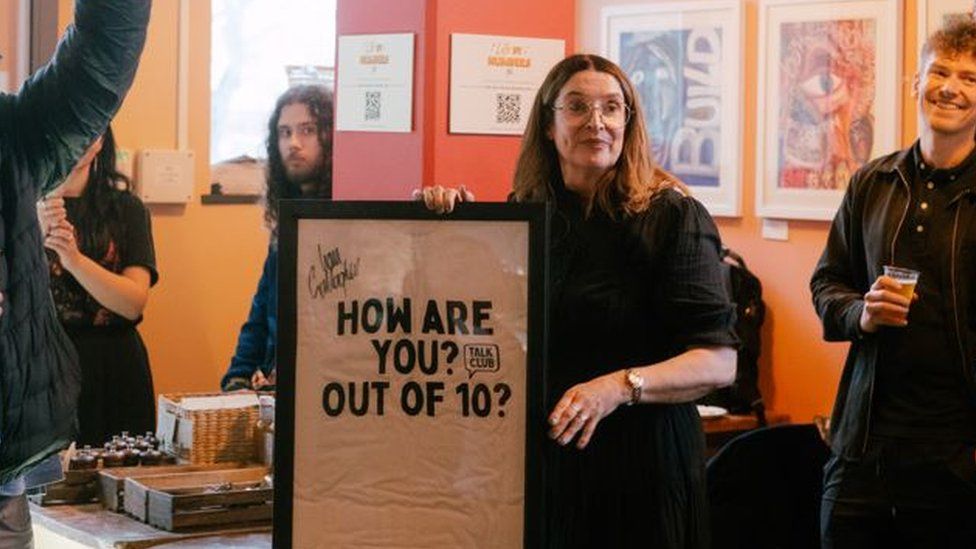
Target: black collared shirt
[[920, 389]]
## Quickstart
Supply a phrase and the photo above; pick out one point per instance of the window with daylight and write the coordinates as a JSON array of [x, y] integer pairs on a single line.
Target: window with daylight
[[258, 49]]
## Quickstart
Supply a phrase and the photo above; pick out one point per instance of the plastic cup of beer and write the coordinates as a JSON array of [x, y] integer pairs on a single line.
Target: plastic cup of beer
[[908, 278]]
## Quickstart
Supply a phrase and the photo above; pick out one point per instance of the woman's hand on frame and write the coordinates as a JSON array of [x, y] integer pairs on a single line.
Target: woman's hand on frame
[[442, 199]]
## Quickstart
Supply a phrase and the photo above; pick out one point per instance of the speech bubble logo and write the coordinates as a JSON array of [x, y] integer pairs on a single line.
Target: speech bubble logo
[[481, 358]]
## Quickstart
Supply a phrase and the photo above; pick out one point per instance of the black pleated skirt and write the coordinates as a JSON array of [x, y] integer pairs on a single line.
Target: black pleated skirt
[[116, 388], [639, 484]]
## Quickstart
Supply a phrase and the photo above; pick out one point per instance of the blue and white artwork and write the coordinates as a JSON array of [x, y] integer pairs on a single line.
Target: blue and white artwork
[[678, 75]]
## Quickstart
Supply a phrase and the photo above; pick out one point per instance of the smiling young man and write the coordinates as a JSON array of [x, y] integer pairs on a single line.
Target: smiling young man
[[903, 430]]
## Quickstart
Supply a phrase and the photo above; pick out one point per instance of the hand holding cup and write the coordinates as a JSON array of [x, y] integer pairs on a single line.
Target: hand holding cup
[[888, 300]]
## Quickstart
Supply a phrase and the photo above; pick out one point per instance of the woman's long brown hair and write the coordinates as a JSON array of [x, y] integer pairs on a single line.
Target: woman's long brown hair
[[628, 186]]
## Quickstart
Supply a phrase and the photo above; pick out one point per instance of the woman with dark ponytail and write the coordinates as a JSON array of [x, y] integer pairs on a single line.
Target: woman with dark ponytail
[[102, 264]]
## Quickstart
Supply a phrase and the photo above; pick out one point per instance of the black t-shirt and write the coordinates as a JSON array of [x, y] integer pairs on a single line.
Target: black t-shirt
[[920, 390], [76, 307]]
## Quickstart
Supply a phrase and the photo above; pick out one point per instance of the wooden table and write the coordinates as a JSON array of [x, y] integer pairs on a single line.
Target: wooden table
[[722, 429], [82, 526]]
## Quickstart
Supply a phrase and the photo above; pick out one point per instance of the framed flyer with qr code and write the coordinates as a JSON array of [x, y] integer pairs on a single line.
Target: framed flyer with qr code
[[409, 407], [374, 83], [494, 80]]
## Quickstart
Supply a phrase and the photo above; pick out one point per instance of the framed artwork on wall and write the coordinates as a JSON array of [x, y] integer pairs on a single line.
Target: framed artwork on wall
[[932, 14], [685, 61], [828, 100]]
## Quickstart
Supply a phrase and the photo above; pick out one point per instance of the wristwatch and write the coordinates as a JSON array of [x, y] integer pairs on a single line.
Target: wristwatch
[[635, 382]]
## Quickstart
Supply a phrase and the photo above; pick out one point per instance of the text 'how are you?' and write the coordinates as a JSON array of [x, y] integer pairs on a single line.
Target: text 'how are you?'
[[418, 372]]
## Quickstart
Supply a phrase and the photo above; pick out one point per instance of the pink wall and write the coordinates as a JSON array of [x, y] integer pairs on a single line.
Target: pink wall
[[388, 166], [385, 166]]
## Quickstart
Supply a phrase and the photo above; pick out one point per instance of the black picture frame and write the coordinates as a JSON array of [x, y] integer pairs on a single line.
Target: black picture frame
[[290, 213]]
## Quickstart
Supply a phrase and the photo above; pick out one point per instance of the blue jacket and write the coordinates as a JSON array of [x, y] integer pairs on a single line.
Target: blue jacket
[[43, 130], [257, 341]]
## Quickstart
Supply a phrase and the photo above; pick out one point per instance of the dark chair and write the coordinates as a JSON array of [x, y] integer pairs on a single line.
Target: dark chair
[[764, 489]]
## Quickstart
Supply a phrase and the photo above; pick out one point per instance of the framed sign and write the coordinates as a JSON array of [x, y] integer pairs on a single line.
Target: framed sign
[[829, 100], [933, 14], [494, 80], [410, 399], [685, 61], [374, 83]]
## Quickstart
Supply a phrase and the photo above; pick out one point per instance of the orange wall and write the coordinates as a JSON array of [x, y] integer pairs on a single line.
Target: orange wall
[[210, 256], [10, 42], [799, 371]]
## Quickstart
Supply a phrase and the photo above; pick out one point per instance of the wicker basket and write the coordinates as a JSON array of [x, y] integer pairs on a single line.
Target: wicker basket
[[204, 428]]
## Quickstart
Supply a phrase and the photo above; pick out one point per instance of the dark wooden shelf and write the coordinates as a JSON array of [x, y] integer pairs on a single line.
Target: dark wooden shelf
[[207, 199]]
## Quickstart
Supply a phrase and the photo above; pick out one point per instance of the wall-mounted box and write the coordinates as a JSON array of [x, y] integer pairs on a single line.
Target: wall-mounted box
[[164, 176]]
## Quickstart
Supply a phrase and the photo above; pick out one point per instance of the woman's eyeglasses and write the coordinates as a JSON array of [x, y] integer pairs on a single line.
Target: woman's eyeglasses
[[577, 111]]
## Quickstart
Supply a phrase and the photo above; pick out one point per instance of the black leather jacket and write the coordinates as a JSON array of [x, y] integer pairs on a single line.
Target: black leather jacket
[[43, 130], [861, 241]]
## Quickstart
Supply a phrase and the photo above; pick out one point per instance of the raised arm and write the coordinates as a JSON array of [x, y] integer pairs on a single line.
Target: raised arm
[[69, 102]]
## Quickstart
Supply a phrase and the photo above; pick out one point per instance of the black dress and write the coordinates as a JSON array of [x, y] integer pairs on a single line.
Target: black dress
[[116, 387], [631, 293]]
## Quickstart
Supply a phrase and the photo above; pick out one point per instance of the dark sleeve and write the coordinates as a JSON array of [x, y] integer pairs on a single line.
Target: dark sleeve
[[691, 291], [252, 342], [836, 297], [66, 104], [139, 250]]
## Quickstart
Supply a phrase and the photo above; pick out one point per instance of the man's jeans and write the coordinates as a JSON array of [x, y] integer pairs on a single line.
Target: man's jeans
[[901, 494], [15, 523]]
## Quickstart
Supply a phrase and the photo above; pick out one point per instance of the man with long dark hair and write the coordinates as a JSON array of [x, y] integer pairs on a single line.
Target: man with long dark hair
[[299, 166], [45, 128]]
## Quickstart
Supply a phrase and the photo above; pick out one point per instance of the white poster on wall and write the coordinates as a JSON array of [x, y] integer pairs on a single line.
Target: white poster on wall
[[494, 80], [374, 83]]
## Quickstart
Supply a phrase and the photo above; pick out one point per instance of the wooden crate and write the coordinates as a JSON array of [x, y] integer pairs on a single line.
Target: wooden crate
[[136, 498], [111, 481], [185, 508], [76, 487]]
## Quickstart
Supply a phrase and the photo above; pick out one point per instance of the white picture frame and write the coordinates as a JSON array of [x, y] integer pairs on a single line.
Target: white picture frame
[[932, 14], [685, 59], [807, 147]]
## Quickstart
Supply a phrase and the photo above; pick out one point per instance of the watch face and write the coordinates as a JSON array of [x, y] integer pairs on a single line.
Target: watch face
[[634, 379]]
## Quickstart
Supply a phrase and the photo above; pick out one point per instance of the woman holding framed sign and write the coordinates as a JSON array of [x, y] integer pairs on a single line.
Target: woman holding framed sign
[[640, 323]]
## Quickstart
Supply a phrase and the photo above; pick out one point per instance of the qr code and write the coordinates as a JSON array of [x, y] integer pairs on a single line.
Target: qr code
[[508, 108], [373, 103]]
